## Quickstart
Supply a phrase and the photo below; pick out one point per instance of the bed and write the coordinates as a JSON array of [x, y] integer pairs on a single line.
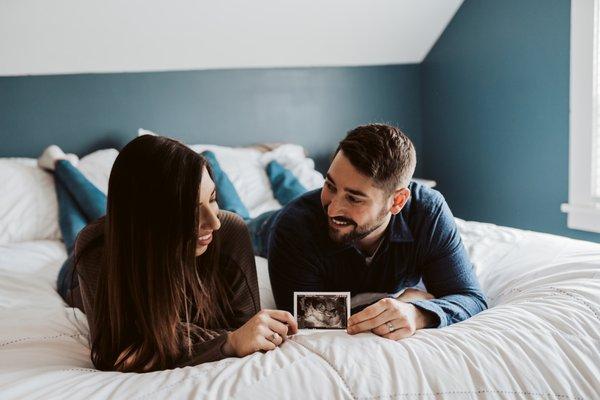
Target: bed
[[540, 338]]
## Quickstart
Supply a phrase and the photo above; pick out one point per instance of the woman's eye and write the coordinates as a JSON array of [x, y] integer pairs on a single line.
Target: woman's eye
[[214, 199]]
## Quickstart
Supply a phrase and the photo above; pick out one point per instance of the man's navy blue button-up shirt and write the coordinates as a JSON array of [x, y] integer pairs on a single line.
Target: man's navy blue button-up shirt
[[421, 242]]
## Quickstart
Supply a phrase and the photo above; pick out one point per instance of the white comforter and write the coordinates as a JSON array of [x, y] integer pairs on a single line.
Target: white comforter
[[540, 338]]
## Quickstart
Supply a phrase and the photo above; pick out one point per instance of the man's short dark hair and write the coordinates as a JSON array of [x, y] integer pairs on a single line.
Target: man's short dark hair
[[382, 152]]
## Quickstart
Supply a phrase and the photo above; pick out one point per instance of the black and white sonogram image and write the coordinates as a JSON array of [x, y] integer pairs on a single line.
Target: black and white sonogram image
[[322, 310]]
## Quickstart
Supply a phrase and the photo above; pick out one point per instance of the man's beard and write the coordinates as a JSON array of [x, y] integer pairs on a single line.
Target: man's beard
[[358, 232]]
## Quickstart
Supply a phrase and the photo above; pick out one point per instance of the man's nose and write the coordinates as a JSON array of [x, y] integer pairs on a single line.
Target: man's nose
[[334, 208]]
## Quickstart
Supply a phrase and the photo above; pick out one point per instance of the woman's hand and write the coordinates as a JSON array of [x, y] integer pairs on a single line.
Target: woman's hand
[[265, 331]]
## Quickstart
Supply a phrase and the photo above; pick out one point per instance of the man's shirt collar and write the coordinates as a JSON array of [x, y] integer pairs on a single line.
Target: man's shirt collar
[[396, 232], [399, 232]]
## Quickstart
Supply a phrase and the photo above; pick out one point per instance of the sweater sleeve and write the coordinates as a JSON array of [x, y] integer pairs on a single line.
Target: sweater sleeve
[[239, 268], [87, 259]]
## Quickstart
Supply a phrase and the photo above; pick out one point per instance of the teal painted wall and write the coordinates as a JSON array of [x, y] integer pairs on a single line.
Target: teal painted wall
[[310, 106], [496, 113], [488, 110]]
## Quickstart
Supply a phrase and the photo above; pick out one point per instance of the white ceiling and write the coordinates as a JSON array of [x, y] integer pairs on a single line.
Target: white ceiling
[[78, 36]]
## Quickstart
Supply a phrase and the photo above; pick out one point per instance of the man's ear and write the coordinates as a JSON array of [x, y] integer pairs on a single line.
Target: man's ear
[[401, 196]]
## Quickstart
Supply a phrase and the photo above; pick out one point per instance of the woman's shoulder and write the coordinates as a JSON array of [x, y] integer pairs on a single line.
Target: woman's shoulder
[[88, 258], [90, 236], [234, 237], [232, 228], [237, 261], [230, 221]]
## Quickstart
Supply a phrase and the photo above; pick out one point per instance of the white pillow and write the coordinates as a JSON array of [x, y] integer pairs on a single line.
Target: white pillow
[[28, 205], [267, 301], [245, 167], [292, 157], [96, 167]]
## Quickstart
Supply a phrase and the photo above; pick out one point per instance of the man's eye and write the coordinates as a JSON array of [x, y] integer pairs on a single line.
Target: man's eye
[[353, 199], [330, 186]]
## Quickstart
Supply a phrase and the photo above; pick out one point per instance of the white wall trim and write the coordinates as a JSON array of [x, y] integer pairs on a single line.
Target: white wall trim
[[582, 218], [583, 211]]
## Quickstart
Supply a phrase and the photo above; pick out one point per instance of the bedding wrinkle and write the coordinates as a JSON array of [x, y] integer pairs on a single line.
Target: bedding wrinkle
[[43, 338], [470, 394], [156, 392], [579, 299], [332, 367], [540, 340]]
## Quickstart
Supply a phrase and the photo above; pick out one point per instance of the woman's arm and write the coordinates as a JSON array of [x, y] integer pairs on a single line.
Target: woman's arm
[[250, 329]]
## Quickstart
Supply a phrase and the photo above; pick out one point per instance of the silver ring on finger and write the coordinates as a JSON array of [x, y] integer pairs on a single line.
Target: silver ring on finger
[[391, 327]]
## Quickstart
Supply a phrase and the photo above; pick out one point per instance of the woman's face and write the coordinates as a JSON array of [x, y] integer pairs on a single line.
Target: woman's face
[[207, 211]]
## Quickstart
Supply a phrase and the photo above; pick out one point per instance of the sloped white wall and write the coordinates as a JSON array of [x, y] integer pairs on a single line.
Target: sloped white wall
[[78, 36]]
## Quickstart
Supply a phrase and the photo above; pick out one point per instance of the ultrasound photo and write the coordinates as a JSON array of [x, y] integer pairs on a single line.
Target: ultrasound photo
[[322, 310]]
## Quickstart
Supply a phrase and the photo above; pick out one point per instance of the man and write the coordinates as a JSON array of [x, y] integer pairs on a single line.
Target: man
[[373, 232]]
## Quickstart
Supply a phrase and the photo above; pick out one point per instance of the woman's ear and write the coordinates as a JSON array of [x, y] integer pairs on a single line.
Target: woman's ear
[[401, 196]]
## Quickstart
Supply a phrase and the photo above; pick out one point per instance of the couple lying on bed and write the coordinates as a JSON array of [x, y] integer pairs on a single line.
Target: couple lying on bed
[[166, 279]]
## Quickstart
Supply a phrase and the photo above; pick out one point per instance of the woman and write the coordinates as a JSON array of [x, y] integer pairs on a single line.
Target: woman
[[166, 280]]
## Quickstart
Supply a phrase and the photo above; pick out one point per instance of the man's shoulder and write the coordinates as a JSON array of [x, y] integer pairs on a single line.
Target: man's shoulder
[[428, 216], [424, 209], [424, 198]]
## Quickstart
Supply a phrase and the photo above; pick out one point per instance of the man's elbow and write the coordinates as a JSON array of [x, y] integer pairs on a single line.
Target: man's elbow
[[480, 302], [473, 302]]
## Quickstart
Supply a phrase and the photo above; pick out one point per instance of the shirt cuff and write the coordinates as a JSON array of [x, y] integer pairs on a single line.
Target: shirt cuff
[[215, 352], [432, 308], [203, 352]]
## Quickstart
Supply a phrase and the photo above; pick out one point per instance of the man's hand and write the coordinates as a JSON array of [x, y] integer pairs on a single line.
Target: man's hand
[[390, 318]]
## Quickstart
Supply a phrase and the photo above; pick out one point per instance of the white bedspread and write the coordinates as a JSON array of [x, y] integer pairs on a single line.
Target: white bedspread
[[540, 339]]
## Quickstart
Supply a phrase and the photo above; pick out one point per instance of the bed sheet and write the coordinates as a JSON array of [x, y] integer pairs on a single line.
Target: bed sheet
[[539, 339]]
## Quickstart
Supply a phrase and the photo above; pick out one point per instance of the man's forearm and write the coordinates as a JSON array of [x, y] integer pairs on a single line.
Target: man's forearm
[[412, 294], [424, 319], [452, 308]]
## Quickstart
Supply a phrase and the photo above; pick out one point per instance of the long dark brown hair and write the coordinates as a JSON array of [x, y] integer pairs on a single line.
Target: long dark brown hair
[[153, 290]]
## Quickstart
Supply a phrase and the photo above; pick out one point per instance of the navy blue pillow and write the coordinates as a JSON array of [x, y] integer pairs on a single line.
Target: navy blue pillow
[[227, 196]]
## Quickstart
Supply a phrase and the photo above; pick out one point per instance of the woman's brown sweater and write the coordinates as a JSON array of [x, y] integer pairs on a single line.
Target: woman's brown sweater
[[236, 264]]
